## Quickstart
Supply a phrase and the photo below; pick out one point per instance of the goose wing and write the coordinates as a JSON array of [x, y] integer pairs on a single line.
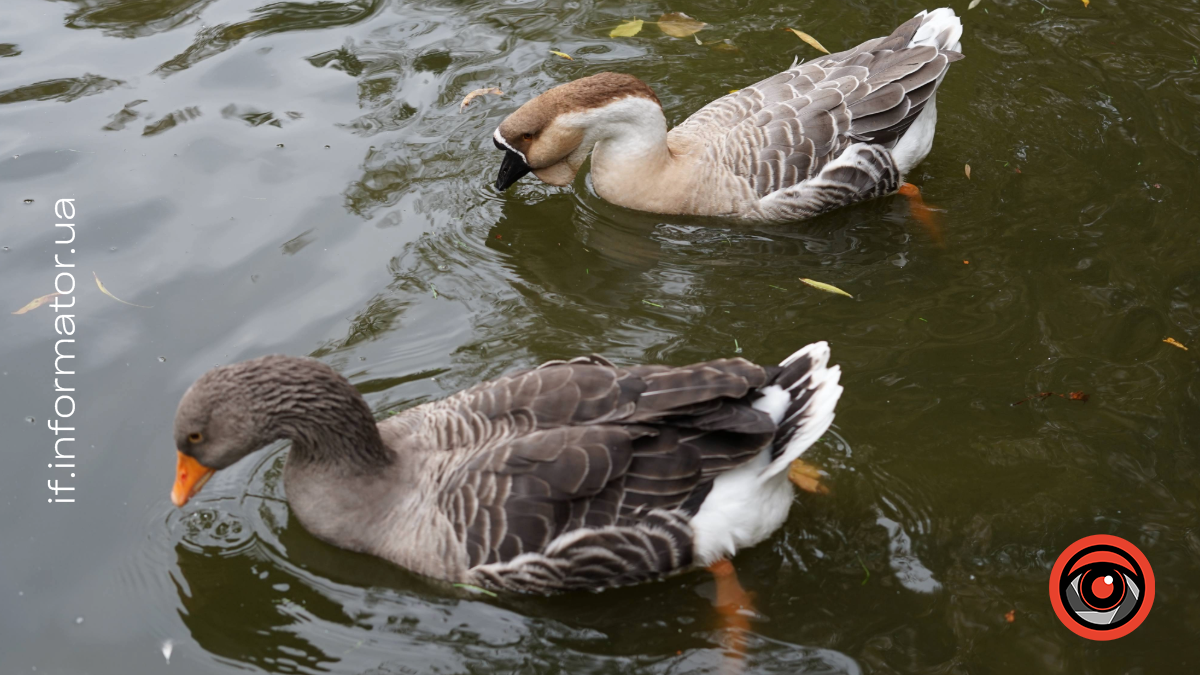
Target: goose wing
[[623, 455], [785, 129]]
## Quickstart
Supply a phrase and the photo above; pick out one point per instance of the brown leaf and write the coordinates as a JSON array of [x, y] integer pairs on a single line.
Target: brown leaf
[[678, 24], [476, 94], [807, 477], [722, 46], [37, 302], [1172, 341], [1071, 396], [1010, 616], [105, 291], [562, 54], [812, 41]]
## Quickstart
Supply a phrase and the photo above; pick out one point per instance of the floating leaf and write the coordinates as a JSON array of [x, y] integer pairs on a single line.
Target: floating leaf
[[825, 287], [476, 589], [105, 291], [697, 39], [627, 29], [1170, 341], [680, 25], [37, 302], [734, 91], [812, 41], [562, 54], [974, 4], [807, 477], [1011, 615], [477, 93], [967, 169], [1087, 2]]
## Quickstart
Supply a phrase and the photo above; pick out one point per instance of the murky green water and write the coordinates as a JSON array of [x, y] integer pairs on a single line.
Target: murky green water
[[296, 177]]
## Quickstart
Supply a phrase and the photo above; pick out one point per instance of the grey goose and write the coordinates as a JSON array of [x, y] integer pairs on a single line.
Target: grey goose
[[573, 475]]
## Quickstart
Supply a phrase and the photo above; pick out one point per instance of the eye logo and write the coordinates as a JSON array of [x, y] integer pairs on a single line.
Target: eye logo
[[1102, 587]]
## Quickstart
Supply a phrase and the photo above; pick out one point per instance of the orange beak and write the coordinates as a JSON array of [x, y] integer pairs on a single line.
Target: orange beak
[[190, 476]]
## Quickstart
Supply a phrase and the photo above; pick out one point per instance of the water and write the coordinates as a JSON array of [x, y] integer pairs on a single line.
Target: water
[[297, 178]]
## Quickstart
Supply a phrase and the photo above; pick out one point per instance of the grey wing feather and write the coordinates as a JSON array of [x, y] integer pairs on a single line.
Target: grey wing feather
[[784, 130], [582, 452]]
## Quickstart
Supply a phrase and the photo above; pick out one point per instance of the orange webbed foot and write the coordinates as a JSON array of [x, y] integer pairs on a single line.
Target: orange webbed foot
[[924, 214]]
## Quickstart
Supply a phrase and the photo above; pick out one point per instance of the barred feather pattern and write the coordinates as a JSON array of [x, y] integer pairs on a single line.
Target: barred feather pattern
[[830, 122], [580, 474]]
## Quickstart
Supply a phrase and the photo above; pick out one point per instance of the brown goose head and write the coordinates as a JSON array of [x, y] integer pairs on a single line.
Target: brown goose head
[[552, 134], [233, 410]]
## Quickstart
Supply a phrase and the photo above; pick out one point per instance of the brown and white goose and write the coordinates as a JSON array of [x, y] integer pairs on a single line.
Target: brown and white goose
[[574, 475], [833, 131]]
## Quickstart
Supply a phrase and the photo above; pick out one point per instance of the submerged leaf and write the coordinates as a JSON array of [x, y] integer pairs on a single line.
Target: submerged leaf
[[967, 169], [37, 302], [1070, 396], [562, 54], [476, 94], [828, 288], [807, 477], [812, 41], [723, 46], [1170, 341], [627, 29], [974, 4], [105, 291], [680, 25]]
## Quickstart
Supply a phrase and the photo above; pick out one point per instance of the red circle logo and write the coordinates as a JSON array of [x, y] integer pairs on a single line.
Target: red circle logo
[[1102, 587]]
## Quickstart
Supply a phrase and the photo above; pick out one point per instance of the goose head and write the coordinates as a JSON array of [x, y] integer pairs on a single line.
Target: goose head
[[552, 134], [234, 410]]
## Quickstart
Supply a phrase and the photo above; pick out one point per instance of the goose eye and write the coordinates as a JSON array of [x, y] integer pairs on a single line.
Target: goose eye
[[527, 136], [195, 437]]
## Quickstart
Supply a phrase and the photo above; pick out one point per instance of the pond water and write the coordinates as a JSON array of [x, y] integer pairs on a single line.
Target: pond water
[[296, 177]]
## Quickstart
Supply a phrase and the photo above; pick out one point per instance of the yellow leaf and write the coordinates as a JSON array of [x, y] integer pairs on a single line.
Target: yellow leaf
[[477, 93], [37, 302], [1086, 3], [974, 4], [678, 24], [1170, 341], [105, 291], [812, 41], [825, 287], [734, 91], [967, 169], [562, 54], [807, 477], [627, 29]]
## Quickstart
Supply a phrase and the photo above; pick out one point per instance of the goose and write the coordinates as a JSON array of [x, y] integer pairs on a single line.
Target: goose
[[842, 128], [572, 475]]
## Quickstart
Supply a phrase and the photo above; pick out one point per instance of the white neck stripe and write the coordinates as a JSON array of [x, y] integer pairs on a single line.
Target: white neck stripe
[[500, 139]]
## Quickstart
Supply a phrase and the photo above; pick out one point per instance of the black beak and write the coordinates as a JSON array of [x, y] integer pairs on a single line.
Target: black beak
[[511, 170]]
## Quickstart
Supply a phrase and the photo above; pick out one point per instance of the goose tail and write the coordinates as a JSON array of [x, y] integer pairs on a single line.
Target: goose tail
[[801, 399], [940, 28]]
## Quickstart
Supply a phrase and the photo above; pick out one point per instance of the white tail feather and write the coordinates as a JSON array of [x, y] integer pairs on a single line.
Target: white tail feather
[[812, 420]]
